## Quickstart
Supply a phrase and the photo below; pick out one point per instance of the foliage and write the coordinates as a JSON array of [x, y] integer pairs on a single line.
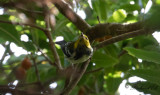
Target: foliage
[[103, 75]]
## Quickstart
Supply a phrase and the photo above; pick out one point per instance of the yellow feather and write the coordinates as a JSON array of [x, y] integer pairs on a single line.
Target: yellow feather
[[76, 44], [81, 41]]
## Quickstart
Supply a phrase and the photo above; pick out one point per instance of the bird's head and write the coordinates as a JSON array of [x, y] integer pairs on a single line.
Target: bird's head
[[83, 41]]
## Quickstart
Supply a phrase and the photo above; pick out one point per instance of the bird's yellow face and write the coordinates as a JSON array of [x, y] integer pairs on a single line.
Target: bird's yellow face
[[82, 40]]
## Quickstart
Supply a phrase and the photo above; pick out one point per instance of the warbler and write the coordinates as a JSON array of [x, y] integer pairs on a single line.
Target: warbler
[[77, 51]]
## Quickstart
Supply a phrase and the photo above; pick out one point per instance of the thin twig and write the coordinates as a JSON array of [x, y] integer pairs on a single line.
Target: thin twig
[[3, 57], [76, 78], [27, 84], [36, 69], [53, 49], [25, 24], [52, 44], [29, 11], [45, 56], [48, 34], [96, 70], [122, 37], [98, 19], [6, 89], [37, 73]]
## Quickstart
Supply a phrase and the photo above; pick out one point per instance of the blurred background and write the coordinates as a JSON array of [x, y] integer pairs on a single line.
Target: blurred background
[[127, 67]]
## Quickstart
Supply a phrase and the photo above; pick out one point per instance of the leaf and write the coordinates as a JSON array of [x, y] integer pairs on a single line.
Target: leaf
[[113, 84], [146, 87], [100, 8], [119, 15], [103, 60], [8, 36], [148, 74], [144, 54], [8, 32], [144, 41], [2, 40], [60, 24], [46, 72], [35, 36], [130, 8], [152, 19], [111, 50], [31, 75], [126, 62], [29, 46], [14, 59], [103, 9]]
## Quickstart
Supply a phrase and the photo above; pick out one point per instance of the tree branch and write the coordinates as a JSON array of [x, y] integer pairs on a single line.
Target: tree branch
[[123, 37], [45, 56], [96, 70], [3, 57], [6, 89], [111, 29], [25, 24], [36, 69], [77, 75], [64, 8], [49, 36], [54, 51]]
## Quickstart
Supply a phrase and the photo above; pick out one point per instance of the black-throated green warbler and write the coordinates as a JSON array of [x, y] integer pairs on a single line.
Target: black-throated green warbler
[[78, 51]]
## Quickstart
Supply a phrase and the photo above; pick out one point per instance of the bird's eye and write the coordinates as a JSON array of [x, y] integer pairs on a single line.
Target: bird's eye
[[86, 38]]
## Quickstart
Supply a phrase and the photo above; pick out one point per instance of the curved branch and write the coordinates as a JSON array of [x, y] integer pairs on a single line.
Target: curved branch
[[71, 15], [123, 37], [112, 29], [77, 75], [49, 36], [6, 89], [25, 24]]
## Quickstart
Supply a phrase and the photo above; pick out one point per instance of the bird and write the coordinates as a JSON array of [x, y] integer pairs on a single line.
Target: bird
[[77, 51]]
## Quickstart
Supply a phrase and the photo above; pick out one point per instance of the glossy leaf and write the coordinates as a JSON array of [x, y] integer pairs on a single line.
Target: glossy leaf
[[103, 60], [146, 87], [144, 54], [148, 74], [113, 84], [8, 31]]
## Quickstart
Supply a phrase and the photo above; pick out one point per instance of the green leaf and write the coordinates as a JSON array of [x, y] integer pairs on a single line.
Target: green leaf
[[111, 50], [9, 34], [46, 72], [14, 59], [35, 36], [2, 40], [119, 15], [152, 19], [8, 31], [103, 9], [100, 8], [31, 75], [29, 46], [130, 8], [148, 74], [151, 56], [146, 87], [126, 62], [95, 4], [103, 60], [144, 41], [113, 84], [60, 24]]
